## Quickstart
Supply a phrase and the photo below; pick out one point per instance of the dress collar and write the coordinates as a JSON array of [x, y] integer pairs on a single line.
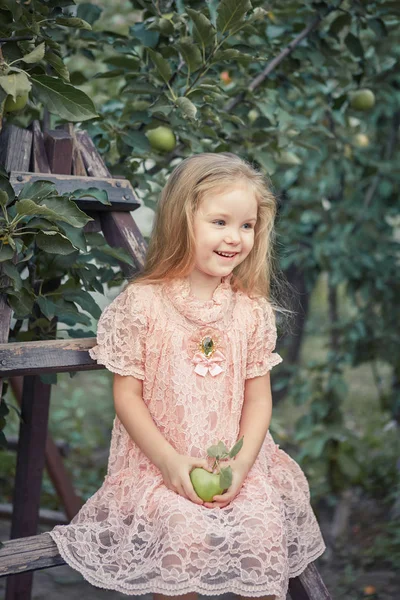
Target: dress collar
[[199, 311]]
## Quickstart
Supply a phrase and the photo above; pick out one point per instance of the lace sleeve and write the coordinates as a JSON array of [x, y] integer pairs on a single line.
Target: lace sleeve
[[262, 340], [121, 334]]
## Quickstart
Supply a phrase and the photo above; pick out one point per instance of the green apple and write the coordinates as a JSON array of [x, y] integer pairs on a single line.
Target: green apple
[[362, 99], [12, 105], [253, 115], [161, 138], [206, 484], [361, 140], [288, 158]]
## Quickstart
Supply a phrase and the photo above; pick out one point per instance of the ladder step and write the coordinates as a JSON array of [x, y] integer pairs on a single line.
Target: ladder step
[[120, 191], [29, 554], [48, 356]]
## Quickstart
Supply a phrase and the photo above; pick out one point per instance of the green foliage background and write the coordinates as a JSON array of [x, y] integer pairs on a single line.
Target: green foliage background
[[292, 67]]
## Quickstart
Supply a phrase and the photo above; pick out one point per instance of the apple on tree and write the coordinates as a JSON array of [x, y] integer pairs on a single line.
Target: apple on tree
[[206, 484], [19, 103], [363, 99], [161, 138]]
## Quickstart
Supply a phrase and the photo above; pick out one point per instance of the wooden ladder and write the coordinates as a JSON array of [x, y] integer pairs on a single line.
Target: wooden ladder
[[71, 161]]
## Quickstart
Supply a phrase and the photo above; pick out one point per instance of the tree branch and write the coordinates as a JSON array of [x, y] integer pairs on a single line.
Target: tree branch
[[275, 62]]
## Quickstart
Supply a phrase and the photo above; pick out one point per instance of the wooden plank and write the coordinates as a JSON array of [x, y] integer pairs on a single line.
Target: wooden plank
[[29, 554], [308, 586], [29, 470], [15, 148], [39, 161], [58, 144], [46, 516], [79, 170], [5, 320], [120, 191], [48, 356], [94, 164], [121, 231], [78, 167]]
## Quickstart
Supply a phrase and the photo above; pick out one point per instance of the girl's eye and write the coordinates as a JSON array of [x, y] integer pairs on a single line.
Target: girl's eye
[[219, 222], [248, 226]]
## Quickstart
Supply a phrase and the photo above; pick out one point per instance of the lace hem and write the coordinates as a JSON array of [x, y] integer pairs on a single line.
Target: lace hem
[[101, 356], [185, 588], [260, 369]]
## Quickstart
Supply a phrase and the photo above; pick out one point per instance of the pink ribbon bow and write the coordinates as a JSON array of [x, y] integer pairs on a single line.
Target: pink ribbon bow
[[204, 364]]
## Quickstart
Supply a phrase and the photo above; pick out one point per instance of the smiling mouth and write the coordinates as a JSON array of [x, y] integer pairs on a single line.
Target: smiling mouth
[[226, 254]]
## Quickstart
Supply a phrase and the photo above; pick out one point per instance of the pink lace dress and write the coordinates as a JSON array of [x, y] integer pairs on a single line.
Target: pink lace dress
[[135, 535]]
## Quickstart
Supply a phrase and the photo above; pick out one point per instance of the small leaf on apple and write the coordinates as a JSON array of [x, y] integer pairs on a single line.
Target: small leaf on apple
[[225, 479], [212, 451], [222, 448], [236, 448]]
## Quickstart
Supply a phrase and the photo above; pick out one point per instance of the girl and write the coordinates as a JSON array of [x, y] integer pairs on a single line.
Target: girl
[[207, 275]]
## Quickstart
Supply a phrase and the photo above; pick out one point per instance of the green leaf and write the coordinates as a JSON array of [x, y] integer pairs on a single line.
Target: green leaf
[[53, 306], [89, 12], [55, 209], [354, 45], [15, 84], [37, 190], [118, 253], [141, 87], [187, 107], [191, 54], [148, 38], [136, 140], [12, 272], [213, 451], [203, 30], [126, 62], [222, 449], [225, 479], [92, 192], [339, 23], [6, 252], [56, 62], [161, 64], [231, 13], [3, 198], [84, 299], [378, 27], [237, 447], [54, 243], [63, 99], [36, 55], [73, 22], [75, 235], [21, 303], [232, 54]]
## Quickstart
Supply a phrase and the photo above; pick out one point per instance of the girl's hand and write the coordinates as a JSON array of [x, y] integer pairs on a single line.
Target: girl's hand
[[239, 474], [175, 471]]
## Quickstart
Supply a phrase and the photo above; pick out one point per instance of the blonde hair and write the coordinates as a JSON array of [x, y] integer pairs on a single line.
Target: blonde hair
[[170, 253]]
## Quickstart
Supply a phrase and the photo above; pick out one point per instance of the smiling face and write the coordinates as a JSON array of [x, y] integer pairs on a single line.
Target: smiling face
[[224, 232]]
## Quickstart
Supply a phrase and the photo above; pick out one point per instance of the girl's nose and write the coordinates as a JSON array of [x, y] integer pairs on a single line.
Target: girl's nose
[[232, 237]]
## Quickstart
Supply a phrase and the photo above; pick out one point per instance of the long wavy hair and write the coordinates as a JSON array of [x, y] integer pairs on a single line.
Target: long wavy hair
[[171, 252]]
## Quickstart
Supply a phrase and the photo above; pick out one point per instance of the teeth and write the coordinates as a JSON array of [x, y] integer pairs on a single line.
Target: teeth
[[226, 254]]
